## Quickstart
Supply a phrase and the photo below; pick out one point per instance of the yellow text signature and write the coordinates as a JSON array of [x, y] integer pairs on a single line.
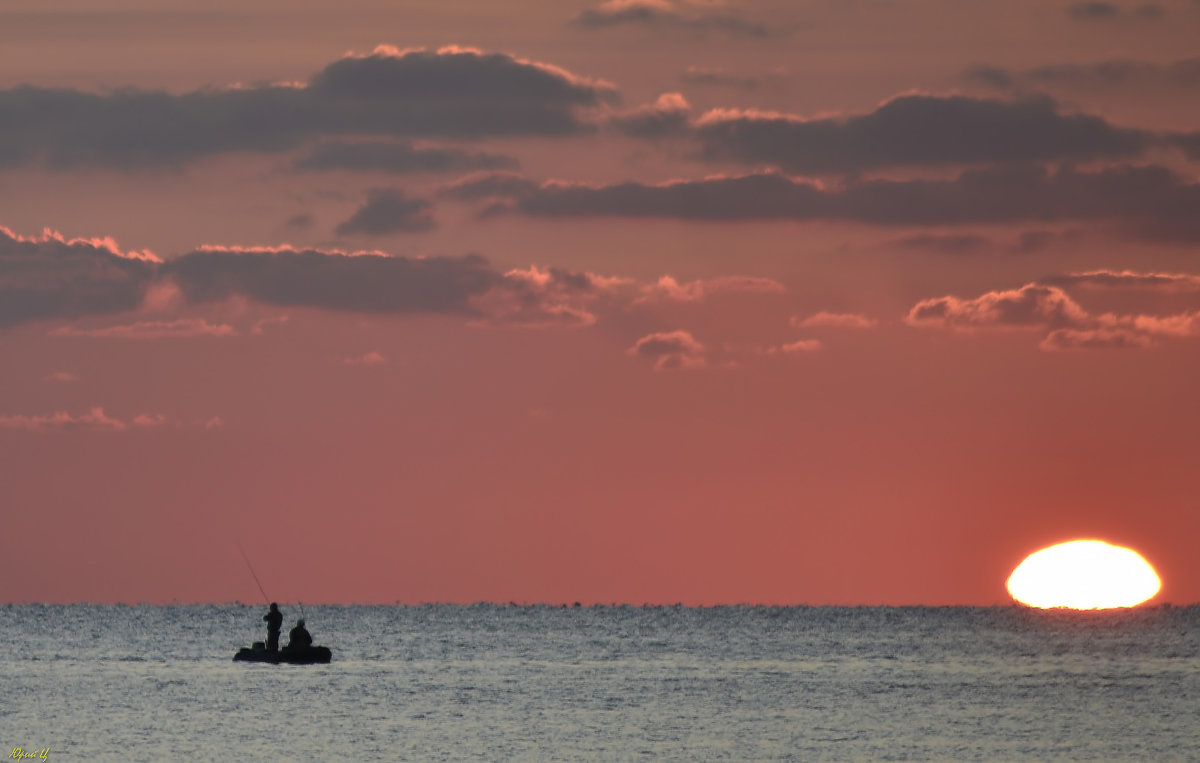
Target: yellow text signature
[[20, 753]]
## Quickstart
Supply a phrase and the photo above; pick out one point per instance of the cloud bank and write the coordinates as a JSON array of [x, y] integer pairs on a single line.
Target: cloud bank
[[449, 93], [1149, 201], [1065, 323]]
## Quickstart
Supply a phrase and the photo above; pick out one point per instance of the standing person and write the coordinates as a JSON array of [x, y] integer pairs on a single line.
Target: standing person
[[274, 620], [299, 638]]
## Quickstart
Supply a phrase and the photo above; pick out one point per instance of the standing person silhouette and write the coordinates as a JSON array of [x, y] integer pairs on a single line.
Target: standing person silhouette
[[274, 620]]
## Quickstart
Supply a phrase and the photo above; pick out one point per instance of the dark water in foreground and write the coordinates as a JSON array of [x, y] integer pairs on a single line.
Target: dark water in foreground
[[440, 682]]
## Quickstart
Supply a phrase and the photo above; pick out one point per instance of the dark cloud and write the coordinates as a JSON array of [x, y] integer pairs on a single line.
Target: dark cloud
[[301, 221], [489, 185], [389, 210], [1097, 76], [917, 130], [665, 15], [52, 277], [1101, 11], [1026, 242], [1089, 11], [1148, 201], [665, 117], [369, 283], [398, 158], [454, 92], [1189, 144]]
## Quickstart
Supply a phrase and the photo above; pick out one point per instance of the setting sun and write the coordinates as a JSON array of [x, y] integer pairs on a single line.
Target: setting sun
[[1084, 574]]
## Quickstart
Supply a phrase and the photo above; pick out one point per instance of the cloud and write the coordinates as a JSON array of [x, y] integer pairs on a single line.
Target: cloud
[[665, 15], [95, 420], [1038, 306], [1095, 339], [668, 288], [1102, 11], [1149, 202], [834, 320], [670, 350], [1189, 144], [302, 221], [1031, 306], [184, 327], [1109, 74], [1026, 242], [451, 93], [916, 131], [536, 297], [366, 282], [798, 347], [389, 210], [366, 359], [489, 185], [50, 276], [1126, 279], [665, 117], [378, 156], [718, 77]]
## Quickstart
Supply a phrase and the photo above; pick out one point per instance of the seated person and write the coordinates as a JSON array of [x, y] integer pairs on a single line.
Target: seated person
[[298, 638]]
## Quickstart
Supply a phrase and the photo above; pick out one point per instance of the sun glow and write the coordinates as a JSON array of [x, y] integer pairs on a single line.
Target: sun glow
[[1084, 574]]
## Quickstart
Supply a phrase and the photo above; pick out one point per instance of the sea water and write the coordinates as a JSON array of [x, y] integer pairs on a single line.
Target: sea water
[[489, 682]]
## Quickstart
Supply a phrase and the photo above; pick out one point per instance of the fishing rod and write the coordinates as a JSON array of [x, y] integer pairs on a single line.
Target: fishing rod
[[250, 567]]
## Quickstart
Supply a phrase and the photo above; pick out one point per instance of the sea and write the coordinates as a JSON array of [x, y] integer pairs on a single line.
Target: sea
[[607, 683]]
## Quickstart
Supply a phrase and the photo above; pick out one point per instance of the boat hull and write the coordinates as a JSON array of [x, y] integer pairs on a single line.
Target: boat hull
[[308, 656]]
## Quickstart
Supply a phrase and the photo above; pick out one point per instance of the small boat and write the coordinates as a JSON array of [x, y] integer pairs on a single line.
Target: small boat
[[291, 656]]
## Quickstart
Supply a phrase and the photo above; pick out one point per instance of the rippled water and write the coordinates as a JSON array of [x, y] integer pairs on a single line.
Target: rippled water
[[441, 682]]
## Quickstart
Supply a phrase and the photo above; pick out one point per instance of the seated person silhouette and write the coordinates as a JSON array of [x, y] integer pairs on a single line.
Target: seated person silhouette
[[298, 638], [274, 620]]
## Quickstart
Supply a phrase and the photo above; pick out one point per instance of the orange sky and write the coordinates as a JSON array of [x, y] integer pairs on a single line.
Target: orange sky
[[820, 302]]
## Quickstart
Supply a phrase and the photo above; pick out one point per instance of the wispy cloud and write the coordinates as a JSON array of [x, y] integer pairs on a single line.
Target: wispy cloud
[[670, 350], [389, 210], [667, 15], [371, 358], [834, 320], [184, 327]]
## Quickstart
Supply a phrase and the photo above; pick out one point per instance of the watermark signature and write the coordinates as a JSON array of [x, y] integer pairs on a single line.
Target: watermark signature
[[20, 753]]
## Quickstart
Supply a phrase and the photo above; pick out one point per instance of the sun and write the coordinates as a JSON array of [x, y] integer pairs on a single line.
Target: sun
[[1084, 574]]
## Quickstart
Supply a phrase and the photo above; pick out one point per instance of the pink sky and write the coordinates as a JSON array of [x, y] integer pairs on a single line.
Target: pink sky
[[775, 302]]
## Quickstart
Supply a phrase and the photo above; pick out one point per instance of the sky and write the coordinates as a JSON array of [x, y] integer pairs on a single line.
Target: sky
[[632, 301]]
